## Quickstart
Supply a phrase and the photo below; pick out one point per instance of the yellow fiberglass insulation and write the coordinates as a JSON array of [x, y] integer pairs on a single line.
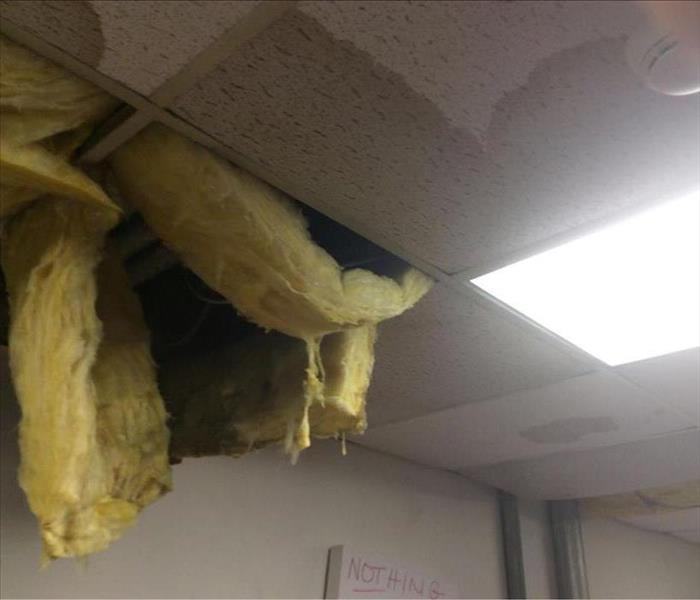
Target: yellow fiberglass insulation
[[251, 394], [249, 242], [45, 113], [92, 437]]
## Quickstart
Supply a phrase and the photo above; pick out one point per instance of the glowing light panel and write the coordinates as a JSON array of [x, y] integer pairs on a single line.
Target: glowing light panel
[[625, 293]]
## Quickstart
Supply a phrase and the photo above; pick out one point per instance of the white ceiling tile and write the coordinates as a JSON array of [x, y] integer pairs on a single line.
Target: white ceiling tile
[[459, 152], [675, 378], [141, 44], [449, 351], [445, 67], [589, 411], [689, 536], [662, 460], [669, 522]]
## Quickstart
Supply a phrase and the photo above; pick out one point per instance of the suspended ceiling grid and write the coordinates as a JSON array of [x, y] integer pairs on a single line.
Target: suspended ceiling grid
[[459, 136]]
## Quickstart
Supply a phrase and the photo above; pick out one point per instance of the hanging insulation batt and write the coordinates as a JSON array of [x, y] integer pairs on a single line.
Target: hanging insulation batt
[[93, 438], [251, 393], [250, 243], [93, 435]]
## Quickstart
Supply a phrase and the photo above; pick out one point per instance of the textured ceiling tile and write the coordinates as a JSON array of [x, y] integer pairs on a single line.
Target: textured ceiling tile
[[662, 460], [142, 44], [674, 521], [523, 133], [589, 411], [675, 378], [446, 50], [448, 351]]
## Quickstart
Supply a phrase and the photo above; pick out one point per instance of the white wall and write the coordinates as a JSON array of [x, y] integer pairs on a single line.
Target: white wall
[[626, 562], [257, 527]]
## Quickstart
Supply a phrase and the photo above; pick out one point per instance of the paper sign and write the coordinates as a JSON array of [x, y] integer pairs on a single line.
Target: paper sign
[[354, 574]]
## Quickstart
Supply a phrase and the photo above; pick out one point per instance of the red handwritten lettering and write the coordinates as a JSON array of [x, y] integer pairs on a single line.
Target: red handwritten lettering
[[371, 573], [354, 569], [380, 577], [380, 570], [393, 579], [435, 590], [413, 586]]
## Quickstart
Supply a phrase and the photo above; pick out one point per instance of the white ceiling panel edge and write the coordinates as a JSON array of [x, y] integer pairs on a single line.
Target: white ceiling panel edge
[[249, 25]]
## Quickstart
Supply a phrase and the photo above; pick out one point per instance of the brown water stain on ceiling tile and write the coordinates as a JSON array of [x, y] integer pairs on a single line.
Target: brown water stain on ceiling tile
[[141, 44], [452, 51], [326, 115], [571, 429], [578, 141]]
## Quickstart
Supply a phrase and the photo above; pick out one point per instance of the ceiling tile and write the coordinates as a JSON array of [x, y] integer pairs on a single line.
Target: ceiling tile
[[675, 378], [498, 126], [661, 460], [438, 47], [589, 411], [141, 44], [670, 522], [449, 351], [689, 536]]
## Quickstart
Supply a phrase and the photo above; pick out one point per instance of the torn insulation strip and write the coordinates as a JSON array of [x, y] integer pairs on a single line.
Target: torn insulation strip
[[249, 242], [93, 438]]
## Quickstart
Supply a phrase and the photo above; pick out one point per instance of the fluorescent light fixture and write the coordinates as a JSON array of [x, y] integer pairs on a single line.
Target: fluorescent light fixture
[[625, 293]]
